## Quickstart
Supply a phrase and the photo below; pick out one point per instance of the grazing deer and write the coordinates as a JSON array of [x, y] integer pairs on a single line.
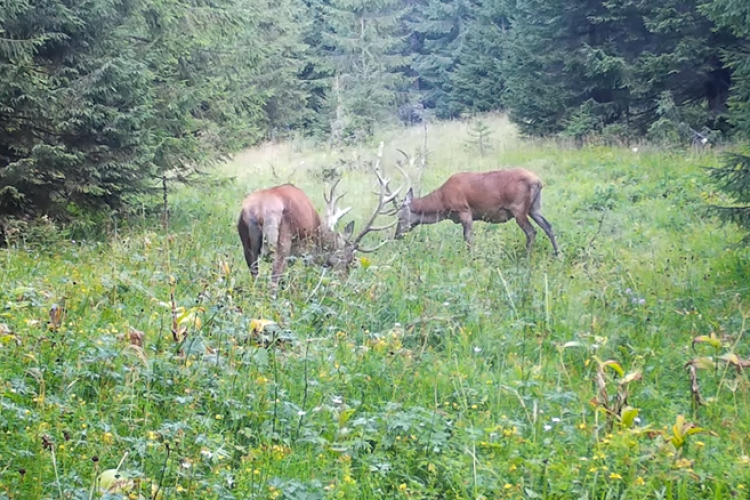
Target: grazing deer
[[284, 218], [494, 197]]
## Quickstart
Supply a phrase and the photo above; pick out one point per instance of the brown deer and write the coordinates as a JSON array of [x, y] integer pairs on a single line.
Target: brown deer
[[495, 197], [284, 218]]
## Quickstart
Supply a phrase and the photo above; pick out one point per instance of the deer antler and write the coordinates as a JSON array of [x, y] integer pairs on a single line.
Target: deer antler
[[400, 168], [385, 181], [334, 214], [385, 196]]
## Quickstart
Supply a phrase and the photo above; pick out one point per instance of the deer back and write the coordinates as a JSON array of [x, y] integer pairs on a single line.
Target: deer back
[[483, 191]]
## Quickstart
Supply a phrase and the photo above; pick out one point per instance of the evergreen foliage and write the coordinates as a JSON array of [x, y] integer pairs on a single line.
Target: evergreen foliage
[[74, 106], [734, 15], [733, 178], [360, 55], [102, 100], [613, 60], [478, 79], [480, 134], [439, 27], [99, 99]]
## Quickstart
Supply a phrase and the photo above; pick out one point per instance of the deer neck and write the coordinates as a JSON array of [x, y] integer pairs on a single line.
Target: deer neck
[[429, 209]]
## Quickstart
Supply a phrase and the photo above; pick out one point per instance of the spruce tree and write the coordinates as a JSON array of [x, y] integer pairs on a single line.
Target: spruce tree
[[733, 178], [538, 92], [103, 99], [613, 61], [360, 54], [734, 15], [477, 79], [74, 104], [439, 27]]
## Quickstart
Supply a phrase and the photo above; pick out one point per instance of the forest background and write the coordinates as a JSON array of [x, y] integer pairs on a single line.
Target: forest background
[[103, 100]]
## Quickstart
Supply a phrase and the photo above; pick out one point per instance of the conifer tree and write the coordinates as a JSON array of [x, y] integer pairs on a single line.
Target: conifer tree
[[613, 62], [733, 177], [439, 27], [360, 53], [734, 15], [74, 104], [102, 99], [477, 79]]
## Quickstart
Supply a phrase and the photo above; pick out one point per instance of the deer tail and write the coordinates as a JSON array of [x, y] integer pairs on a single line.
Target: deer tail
[[536, 196]]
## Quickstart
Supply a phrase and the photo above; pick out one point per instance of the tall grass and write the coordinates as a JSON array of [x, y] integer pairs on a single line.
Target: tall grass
[[429, 373]]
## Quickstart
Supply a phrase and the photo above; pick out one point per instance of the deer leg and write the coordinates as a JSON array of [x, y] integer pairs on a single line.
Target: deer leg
[[467, 222], [252, 241], [251, 257], [523, 221], [283, 249], [546, 227]]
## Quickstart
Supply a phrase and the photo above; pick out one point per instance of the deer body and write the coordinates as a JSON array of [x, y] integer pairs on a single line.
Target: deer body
[[284, 218], [495, 197]]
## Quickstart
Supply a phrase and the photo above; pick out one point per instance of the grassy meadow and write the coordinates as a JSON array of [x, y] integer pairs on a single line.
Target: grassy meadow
[[613, 371]]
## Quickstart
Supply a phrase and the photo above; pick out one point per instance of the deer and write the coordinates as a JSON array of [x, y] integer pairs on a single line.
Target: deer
[[283, 218], [495, 197]]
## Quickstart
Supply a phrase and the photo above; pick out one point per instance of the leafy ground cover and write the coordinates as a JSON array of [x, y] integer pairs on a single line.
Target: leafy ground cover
[[614, 371]]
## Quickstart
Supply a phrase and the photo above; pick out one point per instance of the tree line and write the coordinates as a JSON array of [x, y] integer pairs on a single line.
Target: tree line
[[101, 100]]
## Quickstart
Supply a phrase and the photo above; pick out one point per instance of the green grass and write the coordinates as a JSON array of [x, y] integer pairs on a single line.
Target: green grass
[[429, 373]]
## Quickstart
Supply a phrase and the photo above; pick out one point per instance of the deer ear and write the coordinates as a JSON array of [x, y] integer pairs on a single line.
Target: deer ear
[[349, 230], [409, 196]]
